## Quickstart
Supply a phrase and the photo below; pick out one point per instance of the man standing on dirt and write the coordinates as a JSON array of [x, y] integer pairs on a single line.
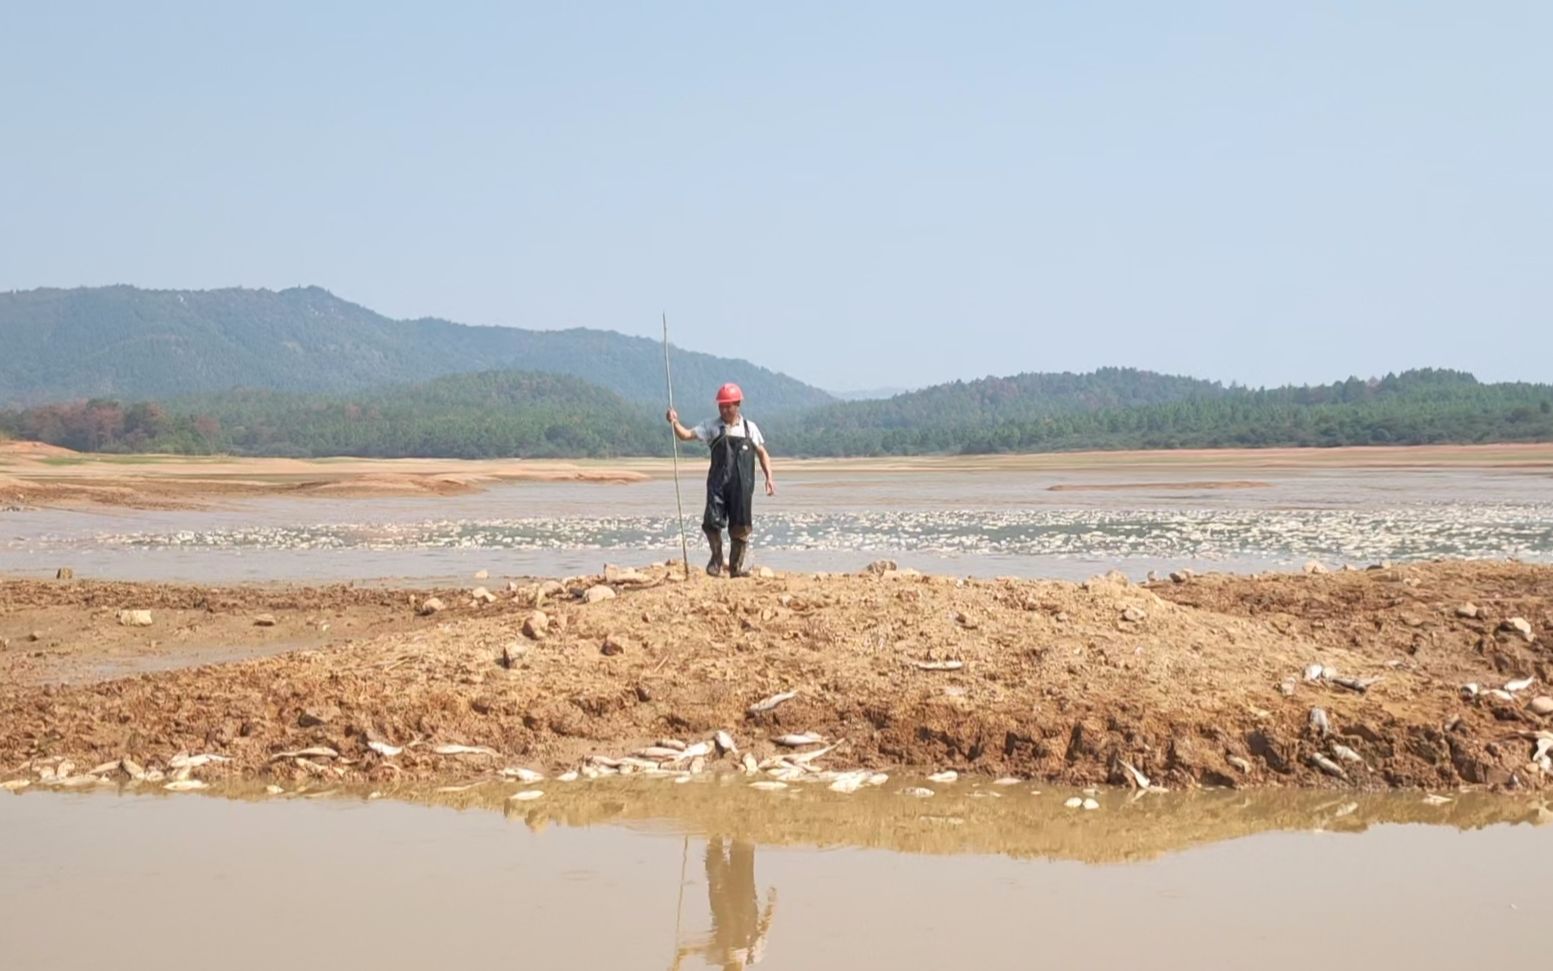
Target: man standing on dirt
[[736, 443]]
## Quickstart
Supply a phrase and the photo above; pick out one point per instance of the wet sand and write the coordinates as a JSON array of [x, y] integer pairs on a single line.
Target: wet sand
[[43, 476]]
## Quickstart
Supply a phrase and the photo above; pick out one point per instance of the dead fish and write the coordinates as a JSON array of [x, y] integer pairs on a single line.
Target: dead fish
[[658, 753], [749, 763], [1519, 684], [1327, 765], [725, 743], [132, 769], [767, 785], [184, 760], [1286, 687], [1007, 780], [104, 768], [630, 762], [849, 782], [1319, 723], [463, 788], [696, 751], [604, 761], [766, 704], [804, 758], [917, 792], [525, 776], [1346, 754], [1239, 763], [1346, 809], [384, 749], [1499, 695], [64, 768], [940, 665], [1544, 746], [1430, 799], [1313, 672], [878, 779], [184, 785], [1469, 690], [455, 749], [316, 752], [15, 785], [672, 743], [1138, 778], [1091, 804], [798, 739], [944, 777], [568, 776], [1361, 685], [1073, 803], [525, 796]]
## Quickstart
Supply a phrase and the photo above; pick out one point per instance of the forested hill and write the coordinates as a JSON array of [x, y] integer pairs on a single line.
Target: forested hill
[[132, 344], [1117, 408], [513, 413], [482, 415]]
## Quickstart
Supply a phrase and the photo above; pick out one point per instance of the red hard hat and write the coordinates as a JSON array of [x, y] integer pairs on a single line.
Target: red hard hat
[[729, 394]]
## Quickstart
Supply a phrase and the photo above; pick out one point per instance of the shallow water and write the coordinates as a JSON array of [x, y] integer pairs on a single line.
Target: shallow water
[[655, 875], [983, 522]]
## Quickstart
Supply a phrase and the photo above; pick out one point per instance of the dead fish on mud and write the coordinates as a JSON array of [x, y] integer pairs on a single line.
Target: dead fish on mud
[[454, 749], [1519, 684], [765, 785], [1430, 799], [695, 751], [1361, 685], [525, 776], [1138, 778], [939, 665], [1239, 763], [946, 776], [767, 704], [184, 785], [798, 739], [1346, 754], [384, 749], [525, 796], [658, 753], [917, 792], [184, 760], [316, 752], [749, 763], [849, 781], [725, 743], [1327, 765], [15, 785], [1319, 723]]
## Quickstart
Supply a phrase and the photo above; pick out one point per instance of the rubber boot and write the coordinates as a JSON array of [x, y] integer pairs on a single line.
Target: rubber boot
[[736, 565], [714, 566]]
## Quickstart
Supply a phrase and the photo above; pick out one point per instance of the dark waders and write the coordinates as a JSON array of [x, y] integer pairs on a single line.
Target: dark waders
[[730, 497]]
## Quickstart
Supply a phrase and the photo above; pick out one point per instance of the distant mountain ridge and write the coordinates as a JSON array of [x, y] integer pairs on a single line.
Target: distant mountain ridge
[[133, 344]]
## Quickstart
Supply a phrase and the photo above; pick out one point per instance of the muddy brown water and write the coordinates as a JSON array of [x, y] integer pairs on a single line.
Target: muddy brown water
[[712, 874]]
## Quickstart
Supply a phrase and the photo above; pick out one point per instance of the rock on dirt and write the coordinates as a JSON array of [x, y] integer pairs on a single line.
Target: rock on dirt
[[264, 620], [536, 625], [1315, 567], [482, 595], [64, 573], [134, 618], [880, 567], [1541, 705], [1518, 625], [1469, 611], [598, 593], [614, 644], [429, 606]]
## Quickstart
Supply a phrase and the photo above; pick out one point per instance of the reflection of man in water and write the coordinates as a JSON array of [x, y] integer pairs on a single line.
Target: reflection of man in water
[[738, 928]]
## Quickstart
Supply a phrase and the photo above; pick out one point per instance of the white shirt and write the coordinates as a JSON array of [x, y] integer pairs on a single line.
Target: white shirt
[[708, 430]]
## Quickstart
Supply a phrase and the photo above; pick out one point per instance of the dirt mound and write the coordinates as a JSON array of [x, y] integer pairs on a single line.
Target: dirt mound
[[1188, 684]]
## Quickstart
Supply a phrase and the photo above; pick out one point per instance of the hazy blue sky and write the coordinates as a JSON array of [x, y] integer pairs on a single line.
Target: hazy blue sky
[[859, 194]]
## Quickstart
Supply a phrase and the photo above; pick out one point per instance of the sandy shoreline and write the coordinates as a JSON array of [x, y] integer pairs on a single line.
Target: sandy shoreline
[[1193, 684], [36, 475]]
